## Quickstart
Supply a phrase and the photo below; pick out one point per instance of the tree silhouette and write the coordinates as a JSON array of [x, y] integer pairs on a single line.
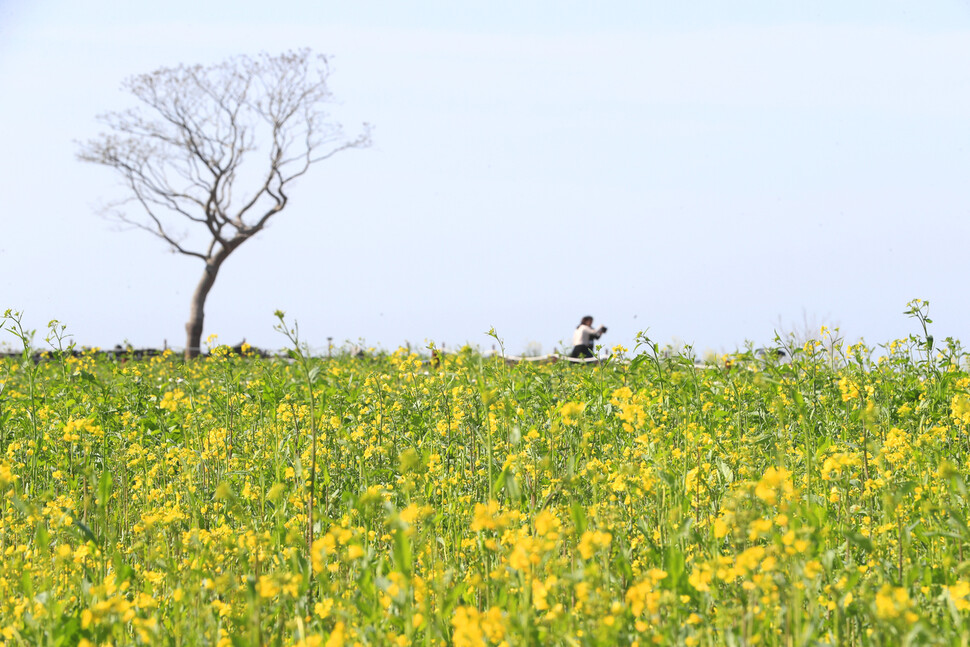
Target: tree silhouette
[[208, 155]]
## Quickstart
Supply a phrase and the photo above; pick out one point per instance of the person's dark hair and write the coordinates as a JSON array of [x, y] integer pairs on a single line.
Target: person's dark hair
[[584, 320]]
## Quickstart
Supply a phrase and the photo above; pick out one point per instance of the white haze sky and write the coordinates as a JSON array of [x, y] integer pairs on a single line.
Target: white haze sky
[[706, 170]]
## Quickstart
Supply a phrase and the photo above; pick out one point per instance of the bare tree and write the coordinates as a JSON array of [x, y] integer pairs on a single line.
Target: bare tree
[[208, 155]]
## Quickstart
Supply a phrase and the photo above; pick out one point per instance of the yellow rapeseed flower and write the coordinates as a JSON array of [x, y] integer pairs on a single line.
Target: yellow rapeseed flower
[[774, 481]]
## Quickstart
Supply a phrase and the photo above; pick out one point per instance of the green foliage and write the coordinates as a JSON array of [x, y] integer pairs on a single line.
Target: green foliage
[[389, 500]]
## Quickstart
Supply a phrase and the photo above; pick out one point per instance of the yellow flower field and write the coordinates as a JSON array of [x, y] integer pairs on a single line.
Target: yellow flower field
[[384, 500]]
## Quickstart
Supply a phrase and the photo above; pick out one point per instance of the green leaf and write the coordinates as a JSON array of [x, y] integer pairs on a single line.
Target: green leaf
[[402, 552], [639, 359], [674, 565], [905, 488], [958, 521], [67, 632], [578, 513], [104, 488], [860, 541], [42, 537], [85, 529], [123, 571], [512, 487]]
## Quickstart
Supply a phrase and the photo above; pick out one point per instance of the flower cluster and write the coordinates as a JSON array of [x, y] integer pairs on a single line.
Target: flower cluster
[[391, 501]]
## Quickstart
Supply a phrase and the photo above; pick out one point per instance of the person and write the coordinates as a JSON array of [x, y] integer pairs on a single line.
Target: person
[[584, 336]]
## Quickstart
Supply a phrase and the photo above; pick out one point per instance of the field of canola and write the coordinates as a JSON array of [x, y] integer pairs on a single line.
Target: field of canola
[[238, 500]]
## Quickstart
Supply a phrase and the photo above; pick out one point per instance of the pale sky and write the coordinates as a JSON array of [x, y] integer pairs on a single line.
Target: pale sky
[[706, 171]]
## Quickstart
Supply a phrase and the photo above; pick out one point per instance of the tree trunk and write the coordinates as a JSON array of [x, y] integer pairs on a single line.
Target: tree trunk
[[193, 329]]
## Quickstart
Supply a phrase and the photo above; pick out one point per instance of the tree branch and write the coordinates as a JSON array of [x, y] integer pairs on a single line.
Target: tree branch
[[181, 152]]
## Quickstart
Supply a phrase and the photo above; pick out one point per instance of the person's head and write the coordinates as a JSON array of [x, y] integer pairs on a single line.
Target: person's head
[[586, 321]]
